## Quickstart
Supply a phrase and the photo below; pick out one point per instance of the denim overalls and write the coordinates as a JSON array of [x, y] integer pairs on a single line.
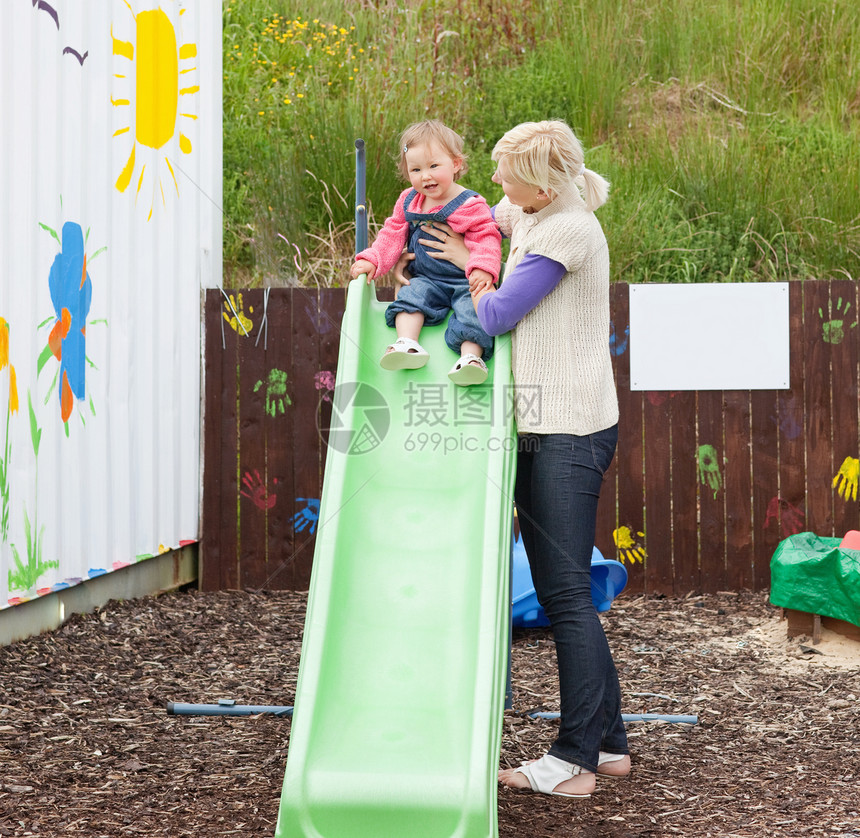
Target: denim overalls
[[438, 286]]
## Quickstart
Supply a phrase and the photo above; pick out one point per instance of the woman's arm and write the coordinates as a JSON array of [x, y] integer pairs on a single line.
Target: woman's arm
[[532, 280]]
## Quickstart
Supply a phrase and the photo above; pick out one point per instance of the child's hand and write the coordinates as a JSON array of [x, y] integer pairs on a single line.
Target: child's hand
[[362, 266], [480, 280]]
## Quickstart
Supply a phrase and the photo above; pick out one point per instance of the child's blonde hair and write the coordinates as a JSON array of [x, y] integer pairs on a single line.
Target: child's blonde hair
[[431, 131], [548, 155]]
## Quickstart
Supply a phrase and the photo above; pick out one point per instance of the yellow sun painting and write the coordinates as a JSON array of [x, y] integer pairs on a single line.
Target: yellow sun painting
[[152, 94]]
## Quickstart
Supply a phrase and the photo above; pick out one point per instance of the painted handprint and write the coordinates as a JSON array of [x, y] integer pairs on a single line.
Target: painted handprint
[[709, 468], [789, 416], [658, 397], [617, 344], [276, 392], [846, 479], [306, 519], [234, 314], [791, 520], [321, 319], [833, 330], [324, 382], [257, 490], [629, 548]]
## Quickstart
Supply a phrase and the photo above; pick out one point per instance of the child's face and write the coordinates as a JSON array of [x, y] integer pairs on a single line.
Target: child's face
[[520, 194], [432, 171]]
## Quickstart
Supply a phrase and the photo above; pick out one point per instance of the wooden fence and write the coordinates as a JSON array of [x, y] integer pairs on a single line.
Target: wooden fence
[[703, 488]]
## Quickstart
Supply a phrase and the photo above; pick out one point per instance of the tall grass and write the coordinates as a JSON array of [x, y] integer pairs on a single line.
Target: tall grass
[[728, 130]]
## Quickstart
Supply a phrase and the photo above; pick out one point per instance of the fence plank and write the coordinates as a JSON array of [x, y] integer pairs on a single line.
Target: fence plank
[[784, 512], [844, 337], [332, 307], [817, 411], [766, 467], [628, 538], [659, 569], [684, 517], [738, 491], [252, 398], [212, 554], [305, 439], [280, 453], [711, 457], [224, 474]]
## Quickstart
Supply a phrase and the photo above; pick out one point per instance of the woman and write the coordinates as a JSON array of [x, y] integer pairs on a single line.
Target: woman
[[555, 299]]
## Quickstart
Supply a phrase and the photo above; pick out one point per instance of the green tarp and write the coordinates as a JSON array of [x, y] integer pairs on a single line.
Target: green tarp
[[811, 573]]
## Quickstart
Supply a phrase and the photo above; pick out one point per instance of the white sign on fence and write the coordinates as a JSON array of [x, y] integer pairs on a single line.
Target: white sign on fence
[[712, 336]]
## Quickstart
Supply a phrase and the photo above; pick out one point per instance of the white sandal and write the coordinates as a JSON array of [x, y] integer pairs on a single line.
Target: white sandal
[[548, 772], [470, 369], [404, 354]]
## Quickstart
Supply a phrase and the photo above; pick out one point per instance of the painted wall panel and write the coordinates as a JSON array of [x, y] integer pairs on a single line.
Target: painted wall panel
[[110, 177]]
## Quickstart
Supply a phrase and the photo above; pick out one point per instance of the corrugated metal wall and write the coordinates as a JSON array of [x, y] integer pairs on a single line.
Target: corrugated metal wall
[[110, 177]]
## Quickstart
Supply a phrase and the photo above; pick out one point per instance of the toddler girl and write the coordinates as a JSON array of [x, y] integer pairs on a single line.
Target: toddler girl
[[432, 160]]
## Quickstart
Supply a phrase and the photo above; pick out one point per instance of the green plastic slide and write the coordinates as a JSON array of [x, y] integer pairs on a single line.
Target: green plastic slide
[[398, 711]]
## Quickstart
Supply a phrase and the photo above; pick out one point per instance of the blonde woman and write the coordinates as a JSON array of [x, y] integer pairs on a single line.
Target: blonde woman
[[555, 300]]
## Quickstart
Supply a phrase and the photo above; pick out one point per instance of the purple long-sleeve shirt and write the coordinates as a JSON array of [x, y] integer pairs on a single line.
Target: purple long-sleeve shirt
[[529, 282]]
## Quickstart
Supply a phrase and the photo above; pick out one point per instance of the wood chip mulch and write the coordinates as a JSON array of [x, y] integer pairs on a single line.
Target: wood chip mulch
[[88, 749]]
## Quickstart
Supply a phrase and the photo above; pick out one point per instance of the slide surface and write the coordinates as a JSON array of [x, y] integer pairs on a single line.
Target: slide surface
[[398, 711]]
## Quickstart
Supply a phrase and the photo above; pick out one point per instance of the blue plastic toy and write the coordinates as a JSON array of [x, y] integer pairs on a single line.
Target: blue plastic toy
[[608, 578]]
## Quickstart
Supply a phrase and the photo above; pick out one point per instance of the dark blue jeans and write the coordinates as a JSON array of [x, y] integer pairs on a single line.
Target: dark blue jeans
[[434, 297], [557, 489]]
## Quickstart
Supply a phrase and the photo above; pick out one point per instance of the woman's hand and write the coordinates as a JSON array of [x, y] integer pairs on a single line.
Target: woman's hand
[[400, 270], [452, 247]]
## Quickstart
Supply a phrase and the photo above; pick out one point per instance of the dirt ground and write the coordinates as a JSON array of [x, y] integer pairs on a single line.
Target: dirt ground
[[88, 749]]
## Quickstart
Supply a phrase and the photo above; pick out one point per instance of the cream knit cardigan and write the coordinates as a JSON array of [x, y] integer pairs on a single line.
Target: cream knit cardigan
[[561, 362]]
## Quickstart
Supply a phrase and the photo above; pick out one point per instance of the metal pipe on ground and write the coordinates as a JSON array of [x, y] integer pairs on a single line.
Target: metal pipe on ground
[[228, 707]]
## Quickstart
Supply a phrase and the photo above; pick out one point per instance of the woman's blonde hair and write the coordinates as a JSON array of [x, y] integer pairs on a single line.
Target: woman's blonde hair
[[548, 155], [431, 131]]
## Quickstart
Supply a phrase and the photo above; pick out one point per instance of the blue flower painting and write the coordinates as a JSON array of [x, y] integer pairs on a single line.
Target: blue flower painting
[[71, 295]]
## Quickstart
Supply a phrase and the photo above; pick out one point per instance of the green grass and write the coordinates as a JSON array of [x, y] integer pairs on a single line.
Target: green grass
[[730, 131]]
